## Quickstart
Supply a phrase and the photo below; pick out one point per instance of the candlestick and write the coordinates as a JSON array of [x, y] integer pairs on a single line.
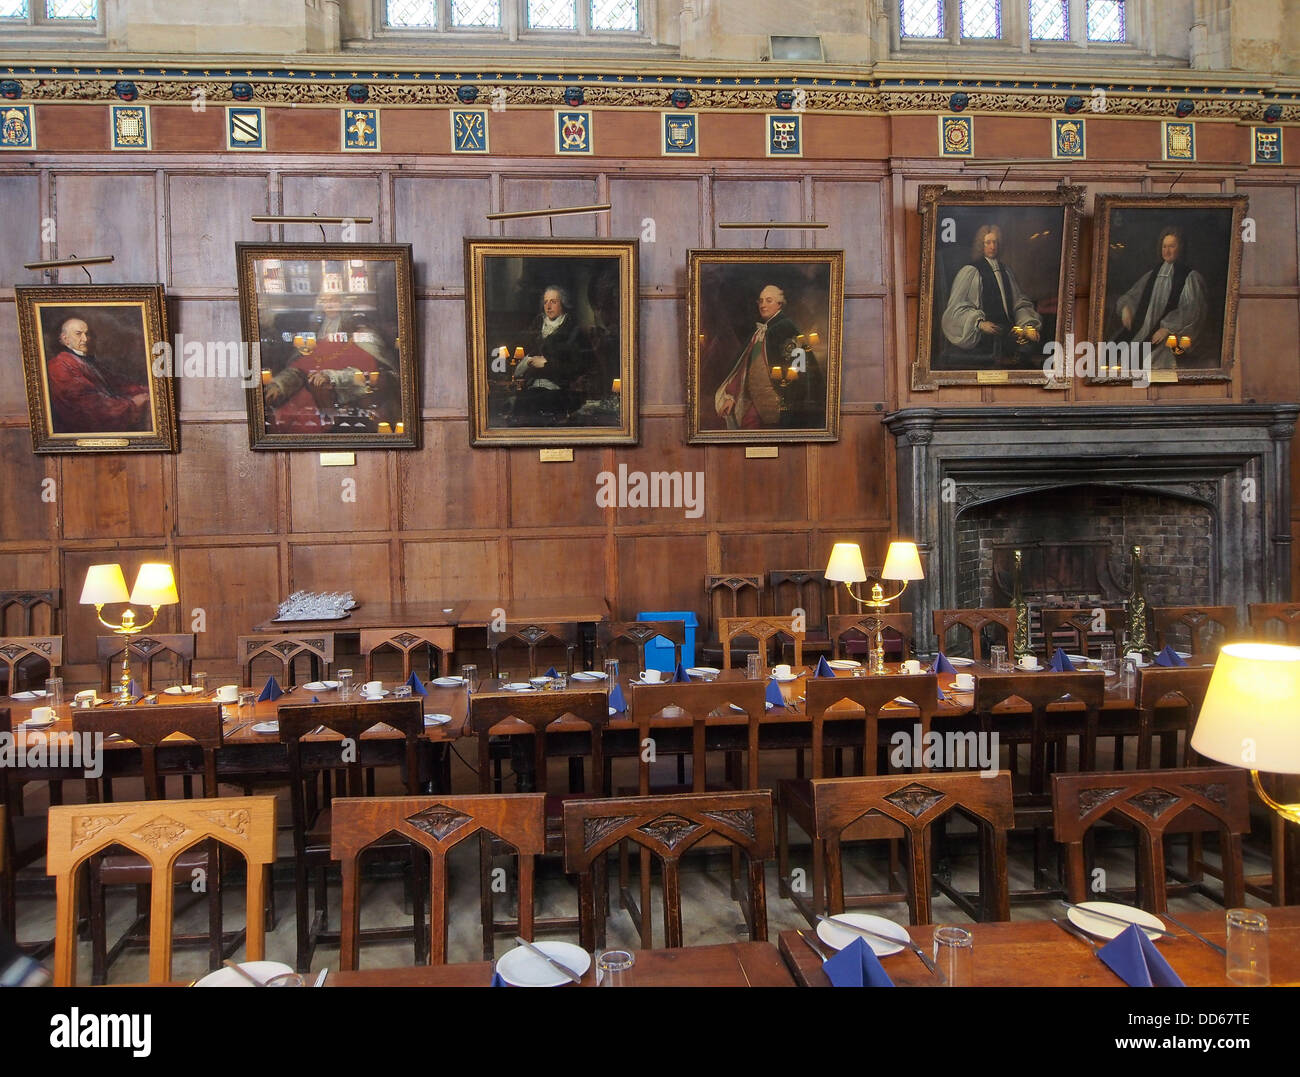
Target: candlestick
[[618, 385], [399, 428], [519, 353], [384, 428], [266, 377]]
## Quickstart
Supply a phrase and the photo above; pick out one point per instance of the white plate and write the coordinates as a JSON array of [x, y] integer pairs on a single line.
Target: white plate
[[1108, 929], [702, 671], [273, 726], [844, 663], [1077, 659], [840, 937], [321, 686], [24, 695], [962, 661], [448, 682], [1183, 654], [38, 723], [259, 970], [523, 968], [589, 675], [181, 690], [785, 680], [518, 686], [437, 719]]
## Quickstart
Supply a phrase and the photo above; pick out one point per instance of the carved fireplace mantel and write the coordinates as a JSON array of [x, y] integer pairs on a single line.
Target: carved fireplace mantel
[[1232, 458]]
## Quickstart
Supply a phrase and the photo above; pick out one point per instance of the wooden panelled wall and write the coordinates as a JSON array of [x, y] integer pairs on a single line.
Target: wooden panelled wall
[[245, 528]]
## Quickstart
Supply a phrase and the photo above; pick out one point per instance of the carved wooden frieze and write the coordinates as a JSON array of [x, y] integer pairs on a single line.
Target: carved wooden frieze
[[595, 829], [161, 832], [669, 830], [1154, 802], [740, 821], [438, 820], [85, 827], [915, 799], [235, 820], [1091, 799]]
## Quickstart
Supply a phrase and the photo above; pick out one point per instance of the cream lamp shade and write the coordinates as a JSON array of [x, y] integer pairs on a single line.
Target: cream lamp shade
[[155, 585], [104, 584], [845, 564], [1251, 714], [902, 562]]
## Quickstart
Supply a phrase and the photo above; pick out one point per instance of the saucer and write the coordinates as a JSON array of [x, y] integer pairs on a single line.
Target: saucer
[[448, 682], [785, 680], [272, 726], [437, 719]]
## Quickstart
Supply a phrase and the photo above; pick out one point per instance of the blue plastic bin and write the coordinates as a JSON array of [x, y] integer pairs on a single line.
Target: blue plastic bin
[[659, 651]]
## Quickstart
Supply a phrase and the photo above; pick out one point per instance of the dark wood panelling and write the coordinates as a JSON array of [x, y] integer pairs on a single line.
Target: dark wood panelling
[[1270, 371], [529, 132], [519, 193], [235, 587], [72, 128], [435, 215], [864, 356], [663, 356], [673, 207], [452, 570], [756, 491], [182, 130], [852, 209], [757, 553], [759, 200], [13, 392], [555, 494], [334, 196], [222, 488], [448, 486], [364, 568], [629, 134], [339, 499], [731, 136], [113, 496], [218, 387], [660, 572], [114, 214], [440, 324], [853, 475], [1271, 260], [25, 512], [853, 138], [663, 449], [28, 568], [304, 130], [556, 567], [20, 229], [206, 216]]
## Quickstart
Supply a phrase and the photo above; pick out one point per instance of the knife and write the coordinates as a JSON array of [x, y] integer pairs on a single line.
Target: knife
[[925, 958], [815, 947], [550, 960], [1120, 920], [320, 980], [1197, 935], [1070, 929]]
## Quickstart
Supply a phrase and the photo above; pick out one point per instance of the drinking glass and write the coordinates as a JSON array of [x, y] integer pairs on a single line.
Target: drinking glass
[[247, 705], [402, 691], [1108, 658], [611, 672], [1247, 958], [344, 677], [998, 659], [54, 685], [200, 681], [753, 667], [470, 673], [559, 682], [613, 968], [954, 956]]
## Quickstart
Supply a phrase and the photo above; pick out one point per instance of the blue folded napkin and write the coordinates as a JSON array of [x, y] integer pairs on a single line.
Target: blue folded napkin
[[616, 699], [856, 966], [497, 981], [315, 699], [774, 695], [551, 673], [823, 668], [1133, 957], [270, 691], [417, 689], [679, 675], [1169, 657], [942, 665], [133, 689], [1060, 663]]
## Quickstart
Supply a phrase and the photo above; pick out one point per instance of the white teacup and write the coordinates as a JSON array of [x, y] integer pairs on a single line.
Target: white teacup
[[966, 682], [651, 676], [228, 693], [1136, 656], [912, 666], [372, 688], [1028, 661], [42, 715], [782, 671], [85, 699]]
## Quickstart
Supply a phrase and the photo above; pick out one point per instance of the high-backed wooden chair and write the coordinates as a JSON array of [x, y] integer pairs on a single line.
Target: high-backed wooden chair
[[160, 834], [311, 823], [22, 837], [144, 650], [21, 608], [1154, 803], [857, 633], [26, 661], [1169, 701], [727, 595], [839, 701], [1082, 631], [153, 730], [1279, 621], [437, 825], [985, 627], [668, 827], [1201, 629], [809, 590], [535, 714], [609, 634], [915, 803], [1047, 711], [437, 641], [283, 652], [762, 630], [532, 636]]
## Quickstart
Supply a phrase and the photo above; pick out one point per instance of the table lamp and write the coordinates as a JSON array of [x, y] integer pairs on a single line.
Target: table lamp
[[1251, 714], [155, 585], [902, 562]]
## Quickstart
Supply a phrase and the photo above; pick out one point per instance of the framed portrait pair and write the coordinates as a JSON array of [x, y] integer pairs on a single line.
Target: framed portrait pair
[[999, 276]]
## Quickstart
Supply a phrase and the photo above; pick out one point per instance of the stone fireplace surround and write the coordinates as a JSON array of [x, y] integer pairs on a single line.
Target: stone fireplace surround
[[1201, 453]]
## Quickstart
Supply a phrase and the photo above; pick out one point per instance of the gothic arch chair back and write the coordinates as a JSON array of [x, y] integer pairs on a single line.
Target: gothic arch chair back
[[609, 634], [532, 636], [145, 649], [26, 661], [1276, 621], [992, 626], [1201, 629], [284, 652], [762, 630], [1087, 629], [18, 612], [437, 641], [856, 633]]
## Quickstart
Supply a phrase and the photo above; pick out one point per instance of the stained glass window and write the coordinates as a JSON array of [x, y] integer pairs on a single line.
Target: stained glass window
[[981, 18], [615, 15], [1049, 20], [921, 18], [1106, 20], [476, 13], [422, 14]]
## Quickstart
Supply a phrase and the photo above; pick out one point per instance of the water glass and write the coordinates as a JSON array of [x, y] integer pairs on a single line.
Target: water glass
[[613, 968], [998, 659], [200, 681], [402, 691], [247, 705], [344, 677], [54, 685], [470, 673], [1108, 658], [611, 672], [1247, 958], [954, 956], [753, 667], [559, 682]]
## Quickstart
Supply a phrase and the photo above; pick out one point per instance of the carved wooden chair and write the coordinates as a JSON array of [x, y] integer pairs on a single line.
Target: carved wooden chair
[[668, 827], [809, 590], [161, 834], [609, 634], [1202, 630], [856, 634], [1154, 803], [532, 636], [1169, 701], [22, 837], [728, 595], [152, 729], [312, 822], [915, 803], [144, 650], [860, 701], [284, 652], [26, 661], [1047, 711], [1278, 621], [762, 630], [1082, 631], [985, 628], [21, 608], [436, 641], [570, 723], [437, 825]]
